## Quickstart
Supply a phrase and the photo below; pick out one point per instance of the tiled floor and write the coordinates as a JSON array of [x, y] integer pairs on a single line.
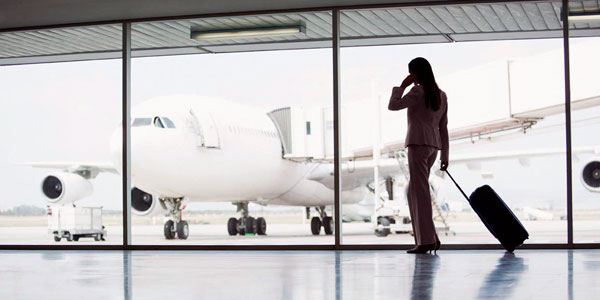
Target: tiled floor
[[484, 274]]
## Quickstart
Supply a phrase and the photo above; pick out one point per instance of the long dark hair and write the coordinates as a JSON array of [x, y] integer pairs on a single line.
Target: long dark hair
[[421, 68]]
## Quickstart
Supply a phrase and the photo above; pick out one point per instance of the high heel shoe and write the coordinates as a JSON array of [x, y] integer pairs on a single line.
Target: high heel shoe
[[422, 248], [438, 245]]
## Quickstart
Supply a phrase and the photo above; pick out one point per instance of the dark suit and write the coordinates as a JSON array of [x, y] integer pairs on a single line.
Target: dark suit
[[427, 133]]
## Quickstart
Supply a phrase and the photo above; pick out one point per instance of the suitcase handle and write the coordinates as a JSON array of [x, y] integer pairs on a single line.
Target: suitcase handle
[[461, 190]]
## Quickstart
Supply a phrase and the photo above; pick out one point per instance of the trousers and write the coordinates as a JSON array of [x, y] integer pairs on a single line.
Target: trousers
[[420, 161]]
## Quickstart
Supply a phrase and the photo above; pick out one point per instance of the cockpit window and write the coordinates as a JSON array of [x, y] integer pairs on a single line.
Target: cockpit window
[[138, 122], [168, 122], [158, 122]]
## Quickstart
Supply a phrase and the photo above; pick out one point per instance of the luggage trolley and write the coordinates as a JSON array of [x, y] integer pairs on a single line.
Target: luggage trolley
[[72, 223]]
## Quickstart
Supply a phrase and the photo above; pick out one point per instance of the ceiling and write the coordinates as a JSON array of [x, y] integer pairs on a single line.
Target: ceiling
[[365, 27], [27, 13]]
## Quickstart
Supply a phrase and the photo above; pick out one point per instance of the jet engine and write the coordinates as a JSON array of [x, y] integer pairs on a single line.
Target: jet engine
[[590, 175], [60, 188], [145, 204]]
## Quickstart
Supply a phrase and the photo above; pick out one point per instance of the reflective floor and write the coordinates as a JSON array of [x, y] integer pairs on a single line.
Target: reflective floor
[[483, 274]]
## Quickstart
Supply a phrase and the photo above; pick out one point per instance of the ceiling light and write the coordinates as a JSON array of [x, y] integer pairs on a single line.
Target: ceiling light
[[246, 32], [584, 16]]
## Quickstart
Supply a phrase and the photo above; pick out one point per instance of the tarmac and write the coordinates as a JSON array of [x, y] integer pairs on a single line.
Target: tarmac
[[299, 234]]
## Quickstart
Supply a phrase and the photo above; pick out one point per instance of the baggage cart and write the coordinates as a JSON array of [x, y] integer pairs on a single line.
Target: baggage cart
[[73, 223]]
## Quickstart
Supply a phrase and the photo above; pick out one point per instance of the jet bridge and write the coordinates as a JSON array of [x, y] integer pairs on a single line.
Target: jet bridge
[[283, 123], [303, 132]]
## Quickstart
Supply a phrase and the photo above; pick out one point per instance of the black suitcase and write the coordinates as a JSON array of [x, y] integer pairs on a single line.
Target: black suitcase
[[496, 216]]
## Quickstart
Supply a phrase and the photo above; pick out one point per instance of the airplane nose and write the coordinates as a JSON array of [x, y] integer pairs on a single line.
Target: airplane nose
[[115, 149]]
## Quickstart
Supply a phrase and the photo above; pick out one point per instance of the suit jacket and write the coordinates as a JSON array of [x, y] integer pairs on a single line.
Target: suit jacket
[[425, 126]]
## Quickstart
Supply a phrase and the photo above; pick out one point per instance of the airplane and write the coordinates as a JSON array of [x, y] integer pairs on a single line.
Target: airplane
[[202, 149], [190, 148]]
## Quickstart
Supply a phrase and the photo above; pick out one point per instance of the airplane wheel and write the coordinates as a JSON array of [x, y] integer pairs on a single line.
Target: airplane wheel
[[98, 237], [76, 238], [241, 231], [183, 230], [57, 238], [385, 231], [261, 226], [382, 232], [328, 225], [315, 225], [169, 230], [232, 226], [250, 225]]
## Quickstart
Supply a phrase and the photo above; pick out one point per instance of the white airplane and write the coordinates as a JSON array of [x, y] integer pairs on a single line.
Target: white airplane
[[201, 149], [187, 148]]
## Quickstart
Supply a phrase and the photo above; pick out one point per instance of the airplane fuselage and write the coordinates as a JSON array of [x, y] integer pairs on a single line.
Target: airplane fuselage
[[217, 151]]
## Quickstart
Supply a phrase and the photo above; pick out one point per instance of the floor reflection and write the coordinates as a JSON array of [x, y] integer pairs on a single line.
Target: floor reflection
[[348, 275], [570, 274], [127, 279], [503, 279], [53, 255], [426, 266], [338, 275]]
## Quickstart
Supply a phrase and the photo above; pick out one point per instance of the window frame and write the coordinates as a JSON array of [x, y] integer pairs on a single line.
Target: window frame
[[338, 245]]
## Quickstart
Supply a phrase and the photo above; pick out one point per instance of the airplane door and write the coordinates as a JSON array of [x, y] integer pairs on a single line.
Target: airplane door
[[203, 126]]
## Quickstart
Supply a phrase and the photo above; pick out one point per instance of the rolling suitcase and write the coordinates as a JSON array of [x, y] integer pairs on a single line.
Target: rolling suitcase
[[496, 216]]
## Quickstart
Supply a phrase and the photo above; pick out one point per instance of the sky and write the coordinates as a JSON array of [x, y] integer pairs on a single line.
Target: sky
[[68, 111]]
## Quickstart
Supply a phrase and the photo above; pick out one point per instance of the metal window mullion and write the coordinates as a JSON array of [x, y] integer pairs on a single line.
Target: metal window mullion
[[126, 136], [336, 128], [565, 19]]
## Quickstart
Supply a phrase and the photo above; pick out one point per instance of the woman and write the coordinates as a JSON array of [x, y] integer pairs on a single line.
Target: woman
[[427, 133]]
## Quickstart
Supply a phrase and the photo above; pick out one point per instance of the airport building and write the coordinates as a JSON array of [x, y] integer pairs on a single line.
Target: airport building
[[247, 149]]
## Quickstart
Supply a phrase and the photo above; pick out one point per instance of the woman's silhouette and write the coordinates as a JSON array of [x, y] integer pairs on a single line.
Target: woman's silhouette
[[427, 133]]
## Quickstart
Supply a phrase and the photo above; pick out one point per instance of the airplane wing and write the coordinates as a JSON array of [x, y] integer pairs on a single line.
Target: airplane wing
[[355, 173], [360, 172], [90, 169], [523, 120], [518, 154]]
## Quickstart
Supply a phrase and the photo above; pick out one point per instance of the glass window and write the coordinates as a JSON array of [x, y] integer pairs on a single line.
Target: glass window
[[158, 122], [269, 191], [584, 62], [169, 123], [501, 67], [76, 106], [139, 122]]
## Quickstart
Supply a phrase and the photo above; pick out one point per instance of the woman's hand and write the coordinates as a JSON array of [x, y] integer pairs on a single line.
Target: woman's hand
[[410, 79], [444, 165]]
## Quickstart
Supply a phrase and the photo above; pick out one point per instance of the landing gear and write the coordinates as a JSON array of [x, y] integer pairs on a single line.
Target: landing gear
[[385, 227], [182, 230], [169, 230], [175, 226], [315, 225], [232, 226], [246, 224], [261, 226], [323, 220], [328, 225], [249, 226]]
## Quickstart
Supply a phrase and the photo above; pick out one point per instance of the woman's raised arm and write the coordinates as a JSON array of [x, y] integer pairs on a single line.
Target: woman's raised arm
[[398, 102]]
